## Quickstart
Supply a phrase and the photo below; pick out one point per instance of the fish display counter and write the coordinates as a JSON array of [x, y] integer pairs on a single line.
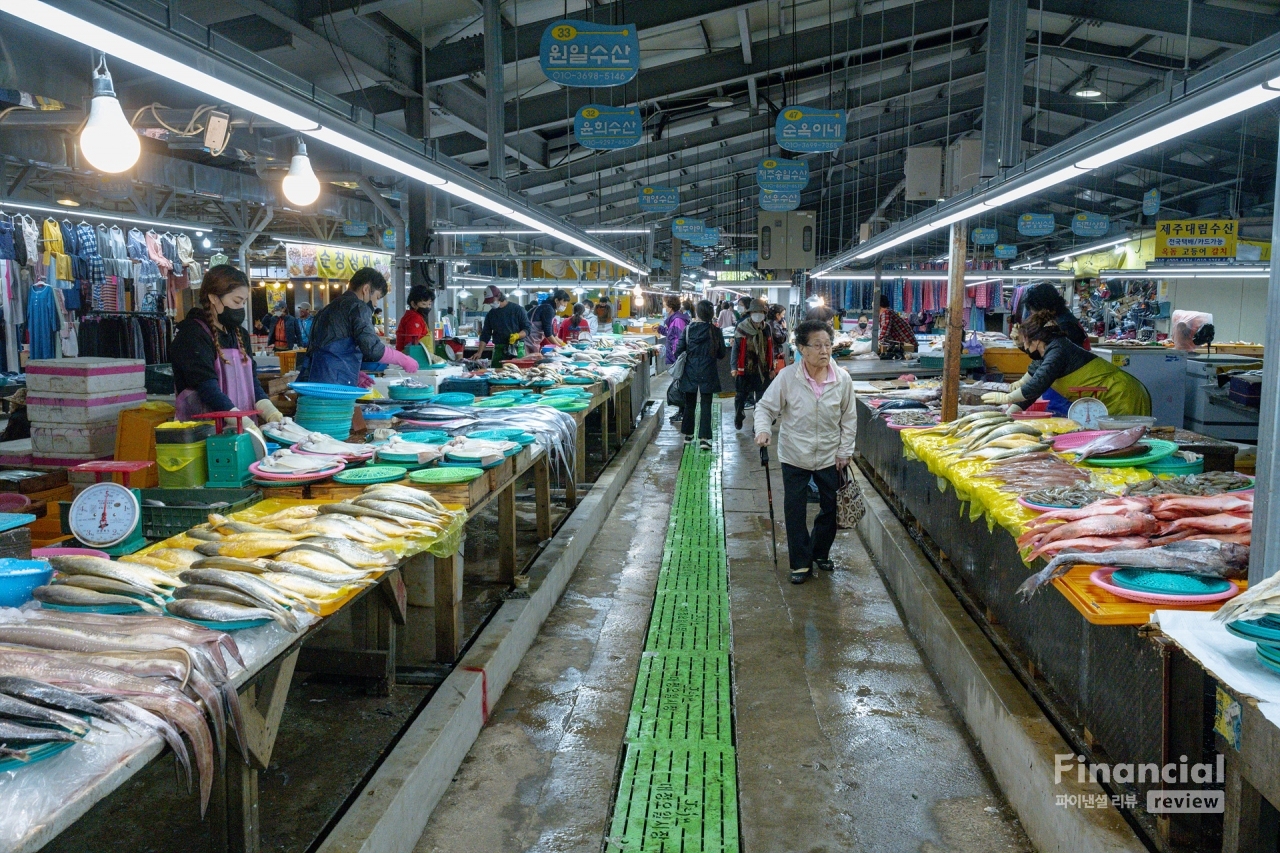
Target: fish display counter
[[1029, 574]]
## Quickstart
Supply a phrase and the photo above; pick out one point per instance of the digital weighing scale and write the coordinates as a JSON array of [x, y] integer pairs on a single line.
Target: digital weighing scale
[[108, 516]]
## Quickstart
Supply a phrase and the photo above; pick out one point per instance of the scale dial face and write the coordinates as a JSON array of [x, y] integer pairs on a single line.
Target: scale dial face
[[1087, 411], [104, 514]]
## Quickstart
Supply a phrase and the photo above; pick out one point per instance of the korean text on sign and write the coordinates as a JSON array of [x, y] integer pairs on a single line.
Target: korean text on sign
[[580, 53], [1197, 238]]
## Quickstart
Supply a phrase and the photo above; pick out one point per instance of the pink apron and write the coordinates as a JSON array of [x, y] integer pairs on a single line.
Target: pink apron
[[235, 378]]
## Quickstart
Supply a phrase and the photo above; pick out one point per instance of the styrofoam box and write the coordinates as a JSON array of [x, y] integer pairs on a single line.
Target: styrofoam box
[[98, 438], [64, 409], [86, 375]]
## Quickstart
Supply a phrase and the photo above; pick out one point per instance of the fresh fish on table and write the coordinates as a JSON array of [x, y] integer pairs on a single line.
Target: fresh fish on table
[[290, 513], [1126, 524], [204, 535], [346, 576], [225, 595], [403, 494], [1110, 443], [1259, 600], [134, 574], [1168, 507], [229, 563], [108, 586], [75, 596], [48, 696], [248, 584], [343, 527], [222, 611], [1201, 557], [1077, 496], [356, 510], [13, 708], [398, 510], [288, 429], [14, 732], [325, 445], [285, 461], [351, 553], [248, 546]]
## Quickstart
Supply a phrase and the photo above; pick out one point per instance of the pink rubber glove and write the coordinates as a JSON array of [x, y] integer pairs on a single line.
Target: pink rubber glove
[[363, 380], [399, 359]]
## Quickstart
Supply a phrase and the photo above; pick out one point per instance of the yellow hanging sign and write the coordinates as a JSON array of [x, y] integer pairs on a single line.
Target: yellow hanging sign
[[307, 260], [1197, 238]]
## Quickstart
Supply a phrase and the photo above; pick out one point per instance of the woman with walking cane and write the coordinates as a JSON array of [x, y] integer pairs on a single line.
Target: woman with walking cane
[[814, 404]]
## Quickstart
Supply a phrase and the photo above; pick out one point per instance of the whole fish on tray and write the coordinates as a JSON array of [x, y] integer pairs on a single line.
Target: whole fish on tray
[[1205, 557], [1110, 443]]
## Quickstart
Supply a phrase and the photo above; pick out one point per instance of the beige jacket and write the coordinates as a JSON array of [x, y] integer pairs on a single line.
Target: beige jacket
[[813, 431]]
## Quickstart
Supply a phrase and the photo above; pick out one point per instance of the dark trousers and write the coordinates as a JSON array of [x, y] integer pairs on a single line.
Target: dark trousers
[[704, 420], [803, 546], [746, 385]]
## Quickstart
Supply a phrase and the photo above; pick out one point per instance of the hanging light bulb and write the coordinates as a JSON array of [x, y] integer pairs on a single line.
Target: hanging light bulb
[[108, 141], [464, 294], [301, 186], [207, 244]]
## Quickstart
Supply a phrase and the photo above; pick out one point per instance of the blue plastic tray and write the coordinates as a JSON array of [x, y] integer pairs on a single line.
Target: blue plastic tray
[[1168, 583], [326, 391]]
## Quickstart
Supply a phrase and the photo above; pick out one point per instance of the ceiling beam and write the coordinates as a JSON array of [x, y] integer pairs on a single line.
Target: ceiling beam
[[466, 107], [744, 35], [253, 33], [1220, 24]]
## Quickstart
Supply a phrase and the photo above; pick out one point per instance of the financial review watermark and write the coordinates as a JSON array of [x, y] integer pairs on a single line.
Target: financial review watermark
[[1182, 772]]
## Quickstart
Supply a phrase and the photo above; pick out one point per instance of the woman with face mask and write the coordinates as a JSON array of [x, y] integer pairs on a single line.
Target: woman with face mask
[[212, 368]]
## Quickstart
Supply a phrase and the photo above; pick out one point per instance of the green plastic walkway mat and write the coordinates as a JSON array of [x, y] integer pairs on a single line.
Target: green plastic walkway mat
[[678, 789]]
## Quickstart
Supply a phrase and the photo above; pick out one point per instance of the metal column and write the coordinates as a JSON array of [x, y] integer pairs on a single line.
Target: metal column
[[495, 89], [1002, 99], [955, 323], [417, 122], [876, 290], [1266, 510]]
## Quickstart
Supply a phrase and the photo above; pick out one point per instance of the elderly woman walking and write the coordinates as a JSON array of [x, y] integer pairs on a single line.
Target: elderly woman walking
[[813, 401]]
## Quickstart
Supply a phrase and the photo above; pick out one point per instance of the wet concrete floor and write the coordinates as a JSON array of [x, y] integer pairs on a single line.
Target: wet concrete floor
[[844, 740]]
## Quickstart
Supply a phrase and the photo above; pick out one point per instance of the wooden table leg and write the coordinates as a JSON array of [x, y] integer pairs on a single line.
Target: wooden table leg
[[628, 416], [448, 609], [542, 496], [507, 533], [235, 802], [580, 458]]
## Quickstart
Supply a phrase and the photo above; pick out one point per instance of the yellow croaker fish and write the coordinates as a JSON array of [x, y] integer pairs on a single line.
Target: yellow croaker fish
[[247, 546], [290, 514]]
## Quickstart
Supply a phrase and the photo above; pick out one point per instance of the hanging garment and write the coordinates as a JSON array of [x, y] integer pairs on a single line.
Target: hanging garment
[[156, 253], [137, 246], [42, 321], [87, 243], [186, 254], [31, 235], [52, 241]]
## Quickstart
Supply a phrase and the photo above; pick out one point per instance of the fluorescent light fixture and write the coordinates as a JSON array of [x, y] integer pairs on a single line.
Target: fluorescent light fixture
[[463, 293], [1089, 249], [1051, 180], [943, 275], [68, 202], [1198, 271], [466, 232], [617, 230], [59, 22], [1087, 92], [897, 241], [1245, 100], [91, 214], [207, 244]]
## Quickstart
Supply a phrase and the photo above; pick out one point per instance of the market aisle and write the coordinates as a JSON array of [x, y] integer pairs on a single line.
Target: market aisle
[[844, 741], [542, 773]]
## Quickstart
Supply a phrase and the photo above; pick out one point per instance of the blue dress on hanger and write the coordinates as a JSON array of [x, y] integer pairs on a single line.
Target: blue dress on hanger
[[42, 321]]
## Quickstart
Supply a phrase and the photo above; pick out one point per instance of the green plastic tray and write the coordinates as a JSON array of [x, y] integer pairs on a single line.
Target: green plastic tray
[[445, 476], [1160, 449], [1168, 583], [494, 403], [372, 474]]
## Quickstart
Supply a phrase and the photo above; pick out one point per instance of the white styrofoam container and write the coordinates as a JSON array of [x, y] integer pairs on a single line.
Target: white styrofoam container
[[98, 438], [86, 375], [64, 409]]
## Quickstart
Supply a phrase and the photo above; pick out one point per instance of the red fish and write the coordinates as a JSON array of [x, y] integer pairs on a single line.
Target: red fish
[[1220, 523]]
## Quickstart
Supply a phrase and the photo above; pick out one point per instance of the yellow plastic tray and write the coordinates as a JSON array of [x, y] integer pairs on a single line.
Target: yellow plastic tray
[[1100, 607]]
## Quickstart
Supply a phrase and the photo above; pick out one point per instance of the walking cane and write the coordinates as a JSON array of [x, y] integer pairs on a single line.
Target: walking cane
[[773, 527]]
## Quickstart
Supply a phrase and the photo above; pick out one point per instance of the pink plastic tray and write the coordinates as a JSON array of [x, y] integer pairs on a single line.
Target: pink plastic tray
[[46, 553], [1072, 440], [1100, 577], [295, 478]]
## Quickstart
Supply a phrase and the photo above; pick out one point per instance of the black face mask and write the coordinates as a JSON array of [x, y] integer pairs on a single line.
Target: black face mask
[[231, 317]]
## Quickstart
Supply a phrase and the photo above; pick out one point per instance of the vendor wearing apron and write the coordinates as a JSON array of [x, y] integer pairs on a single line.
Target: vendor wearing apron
[[342, 336], [212, 368], [1064, 366], [504, 321]]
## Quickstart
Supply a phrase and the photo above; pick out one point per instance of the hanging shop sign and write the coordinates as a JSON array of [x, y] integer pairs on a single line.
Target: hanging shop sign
[[1036, 224], [580, 53], [1005, 251], [1196, 238], [115, 190], [1151, 202], [1085, 224], [354, 228], [389, 238], [472, 246], [684, 228], [307, 260], [777, 175], [780, 200], [708, 238], [607, 128], [984, 236], [691, 259], [808, 130], [657, 199]]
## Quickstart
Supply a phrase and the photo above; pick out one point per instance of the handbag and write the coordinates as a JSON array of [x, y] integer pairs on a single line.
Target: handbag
[[849, 505]]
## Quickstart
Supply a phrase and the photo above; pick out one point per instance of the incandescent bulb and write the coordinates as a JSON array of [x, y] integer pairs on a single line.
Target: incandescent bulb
[[108, 142], [300, 186], [207, 244]]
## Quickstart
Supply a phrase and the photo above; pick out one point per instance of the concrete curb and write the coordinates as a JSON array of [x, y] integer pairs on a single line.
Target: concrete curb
[[1017, 739], [391, 812]]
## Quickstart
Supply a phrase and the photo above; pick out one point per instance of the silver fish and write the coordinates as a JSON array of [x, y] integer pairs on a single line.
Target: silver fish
[[251, 585], [222, 611], [345, 576], [130, 573], [356, 510], [48, 696], [1108, 443], [228, 563], [15, 732], [398, 510], [1198, 557], [107, 585], [76, 596], [351, 553], [19, 709]]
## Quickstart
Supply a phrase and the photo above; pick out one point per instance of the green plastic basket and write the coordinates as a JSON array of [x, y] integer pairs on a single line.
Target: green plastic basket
[[1168, 583], [371, 474], [494, 403], [445, 476], [161, 522]]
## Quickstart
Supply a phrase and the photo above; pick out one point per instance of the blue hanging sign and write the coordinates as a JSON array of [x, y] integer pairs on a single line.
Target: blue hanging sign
[[607, 128], [1086, 224], [691, 259], [472, 246], [779, 201], [708, 238], [984, 236], [777, 175], [389, 238], [808, 130], [684, 228], [354, 228], [1036, 224], [1005, 252], [1151, 202], [580, 53], [656, 199]]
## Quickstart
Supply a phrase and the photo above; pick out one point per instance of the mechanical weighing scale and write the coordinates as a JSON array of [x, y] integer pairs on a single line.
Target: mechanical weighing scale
[[1088, 411], [108, 516]]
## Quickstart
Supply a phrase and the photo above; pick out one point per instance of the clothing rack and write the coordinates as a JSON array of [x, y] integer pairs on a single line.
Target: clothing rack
[[142, 335]]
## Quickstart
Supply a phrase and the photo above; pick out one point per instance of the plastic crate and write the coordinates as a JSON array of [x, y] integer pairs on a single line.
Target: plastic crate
[[476, 385], [159, 379], [161, 522], [935, 362]]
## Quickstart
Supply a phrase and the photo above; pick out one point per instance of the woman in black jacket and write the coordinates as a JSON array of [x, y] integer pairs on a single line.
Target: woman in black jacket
[[703, 345]]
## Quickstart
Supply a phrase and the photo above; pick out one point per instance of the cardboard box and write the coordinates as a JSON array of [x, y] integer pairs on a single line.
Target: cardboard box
[[95, 376]]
